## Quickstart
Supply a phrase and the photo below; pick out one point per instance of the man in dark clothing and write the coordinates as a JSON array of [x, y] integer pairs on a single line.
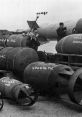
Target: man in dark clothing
[[34, 43], [61, 31], [33, 40], [74, 31]]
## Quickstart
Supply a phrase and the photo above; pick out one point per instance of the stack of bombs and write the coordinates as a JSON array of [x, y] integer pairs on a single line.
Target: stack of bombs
[[11, 87], [15, 41], [19, 40], [72, 45], [26, 76]]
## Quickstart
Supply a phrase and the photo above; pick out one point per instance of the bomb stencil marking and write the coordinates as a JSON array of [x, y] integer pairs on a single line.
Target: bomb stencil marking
[[7, 81]]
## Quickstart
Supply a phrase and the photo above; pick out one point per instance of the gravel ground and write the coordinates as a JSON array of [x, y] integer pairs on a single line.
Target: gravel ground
[[42, 108]]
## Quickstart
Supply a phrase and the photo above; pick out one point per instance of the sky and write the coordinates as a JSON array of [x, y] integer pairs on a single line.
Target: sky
[[15, 13]]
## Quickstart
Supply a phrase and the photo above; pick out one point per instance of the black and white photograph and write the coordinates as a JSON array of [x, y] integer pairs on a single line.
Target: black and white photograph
[[40, 58]]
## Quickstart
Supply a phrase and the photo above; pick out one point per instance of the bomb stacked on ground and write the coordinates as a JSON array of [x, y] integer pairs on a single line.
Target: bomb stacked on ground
[[70, 49], [15, 60], [44, 78]]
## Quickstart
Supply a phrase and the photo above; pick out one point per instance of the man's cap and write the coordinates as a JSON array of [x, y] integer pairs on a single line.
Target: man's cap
[[61, 23]]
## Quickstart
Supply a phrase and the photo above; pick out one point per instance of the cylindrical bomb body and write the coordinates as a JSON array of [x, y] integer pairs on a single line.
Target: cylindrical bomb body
[[71, 44], [44, 76], [17, 41], [39, 73], [17, 59], [22, 58], [10, 56]]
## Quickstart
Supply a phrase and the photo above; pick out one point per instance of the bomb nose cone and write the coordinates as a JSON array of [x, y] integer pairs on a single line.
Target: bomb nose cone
[[79, 26], [71, 44]]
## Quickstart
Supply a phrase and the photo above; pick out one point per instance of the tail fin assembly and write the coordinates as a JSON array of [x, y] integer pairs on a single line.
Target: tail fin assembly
[[33, 24]]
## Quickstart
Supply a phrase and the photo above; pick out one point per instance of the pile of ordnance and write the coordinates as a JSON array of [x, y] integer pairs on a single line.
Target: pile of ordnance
[[24, 75], [69, 52]]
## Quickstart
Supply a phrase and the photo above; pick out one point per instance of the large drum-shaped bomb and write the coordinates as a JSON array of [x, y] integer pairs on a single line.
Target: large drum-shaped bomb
[[78, 27], [15, 41], [47, 77], [17, 59], [18, 41], [15, 90], [71, 44]]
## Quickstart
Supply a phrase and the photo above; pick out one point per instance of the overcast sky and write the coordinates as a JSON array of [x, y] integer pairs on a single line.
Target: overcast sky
[[15, 13]]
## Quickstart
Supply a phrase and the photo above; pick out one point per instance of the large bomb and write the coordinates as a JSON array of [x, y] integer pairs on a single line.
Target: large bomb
[[78, 27], [20, 41], [71, 44], [47, 78], [15, 41], [15, 90], [16, 59]]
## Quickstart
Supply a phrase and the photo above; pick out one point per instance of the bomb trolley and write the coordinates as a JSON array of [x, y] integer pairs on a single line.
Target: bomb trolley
[[73, 60]]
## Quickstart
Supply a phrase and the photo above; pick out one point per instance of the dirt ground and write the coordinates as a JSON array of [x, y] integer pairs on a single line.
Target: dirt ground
[[44, 107]]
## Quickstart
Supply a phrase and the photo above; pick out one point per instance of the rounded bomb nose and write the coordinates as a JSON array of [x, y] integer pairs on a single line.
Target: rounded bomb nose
[[79, 26], [71, 44]]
